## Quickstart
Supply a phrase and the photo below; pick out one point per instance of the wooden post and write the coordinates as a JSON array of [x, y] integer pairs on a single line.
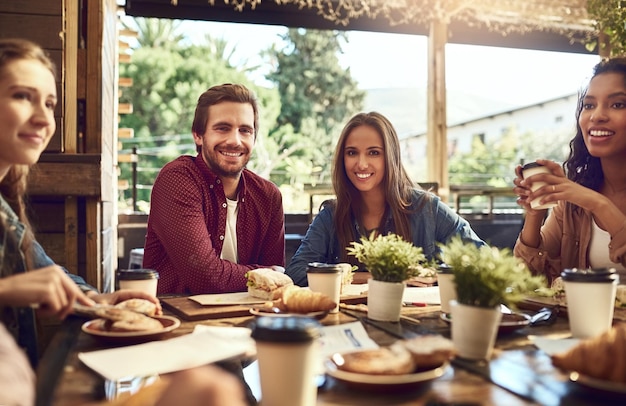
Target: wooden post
[[436, 137]]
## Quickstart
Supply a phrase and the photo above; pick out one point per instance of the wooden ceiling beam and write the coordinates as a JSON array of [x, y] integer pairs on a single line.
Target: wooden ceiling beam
[[289, 15]]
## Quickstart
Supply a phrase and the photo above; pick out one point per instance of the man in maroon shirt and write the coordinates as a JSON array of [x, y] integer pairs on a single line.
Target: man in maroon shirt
[[211, 219]]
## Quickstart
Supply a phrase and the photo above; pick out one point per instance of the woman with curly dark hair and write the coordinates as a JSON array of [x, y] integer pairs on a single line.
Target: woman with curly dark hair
[[587, 228]]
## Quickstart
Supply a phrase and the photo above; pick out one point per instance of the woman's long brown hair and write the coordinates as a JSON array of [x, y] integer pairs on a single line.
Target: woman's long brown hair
[[396, 182], [13, 186]]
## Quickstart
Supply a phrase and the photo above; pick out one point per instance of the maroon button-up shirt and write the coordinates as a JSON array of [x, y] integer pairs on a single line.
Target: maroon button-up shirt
[[187, 224]]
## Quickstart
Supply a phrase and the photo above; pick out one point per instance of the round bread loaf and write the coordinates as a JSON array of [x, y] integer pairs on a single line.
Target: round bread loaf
[[392, 360], [144, 323], [138, 305], [429, 351]]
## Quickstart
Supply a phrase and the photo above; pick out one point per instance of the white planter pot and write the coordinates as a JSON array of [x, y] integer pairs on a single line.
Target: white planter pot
[[474, 330], [384, 300]]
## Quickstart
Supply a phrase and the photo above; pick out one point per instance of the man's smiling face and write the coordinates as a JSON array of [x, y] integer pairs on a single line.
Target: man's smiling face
[[228, 139]]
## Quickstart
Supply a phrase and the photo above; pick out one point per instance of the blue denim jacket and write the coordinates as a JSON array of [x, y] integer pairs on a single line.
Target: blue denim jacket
[[434, 223], [21, 321]]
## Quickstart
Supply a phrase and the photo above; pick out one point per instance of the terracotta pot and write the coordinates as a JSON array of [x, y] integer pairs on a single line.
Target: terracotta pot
[[474, 330], [384, 300]]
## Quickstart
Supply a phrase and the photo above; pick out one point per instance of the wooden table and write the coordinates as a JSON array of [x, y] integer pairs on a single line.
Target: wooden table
[[63, 380]]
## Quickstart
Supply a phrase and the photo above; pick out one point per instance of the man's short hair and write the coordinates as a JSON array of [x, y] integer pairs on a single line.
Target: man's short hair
[[227, 92]]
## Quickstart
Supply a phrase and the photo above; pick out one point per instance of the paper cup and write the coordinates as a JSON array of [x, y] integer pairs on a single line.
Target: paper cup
[[447, 288], [531, 169], [145, 280], [590, 297], [288, 354], [326, 279]]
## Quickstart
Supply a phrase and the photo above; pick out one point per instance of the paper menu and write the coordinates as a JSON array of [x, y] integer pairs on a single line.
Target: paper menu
[[204, 346], [344, 338]]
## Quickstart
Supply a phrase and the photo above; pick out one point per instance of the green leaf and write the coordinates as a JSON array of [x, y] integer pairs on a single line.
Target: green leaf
[[388, 258], [487, 276]]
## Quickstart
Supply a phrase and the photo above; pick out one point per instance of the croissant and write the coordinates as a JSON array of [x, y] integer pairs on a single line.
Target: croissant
[[300, 300], [602, 357]]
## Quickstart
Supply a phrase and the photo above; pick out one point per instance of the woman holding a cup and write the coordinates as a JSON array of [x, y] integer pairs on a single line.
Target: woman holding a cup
[[587, 227]]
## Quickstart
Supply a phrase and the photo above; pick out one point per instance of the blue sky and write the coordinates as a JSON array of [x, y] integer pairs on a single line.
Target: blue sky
[[379, 60]]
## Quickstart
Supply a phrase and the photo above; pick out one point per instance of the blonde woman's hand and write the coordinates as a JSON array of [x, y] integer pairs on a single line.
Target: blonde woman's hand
[[201, 386], [48, 289]]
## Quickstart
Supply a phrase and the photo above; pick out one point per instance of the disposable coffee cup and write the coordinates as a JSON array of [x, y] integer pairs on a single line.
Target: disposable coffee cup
[[145, 280], [288, 354], [326, 279], [447, 287], [590, 295], [530, 169]]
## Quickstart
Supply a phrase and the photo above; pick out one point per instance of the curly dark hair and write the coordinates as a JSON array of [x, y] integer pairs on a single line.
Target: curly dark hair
[[580, 166]]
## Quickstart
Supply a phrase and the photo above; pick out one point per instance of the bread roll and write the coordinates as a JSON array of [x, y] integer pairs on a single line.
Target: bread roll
[[430, 351], [300, 300], [602, 357], [392, 360], [138, 305]]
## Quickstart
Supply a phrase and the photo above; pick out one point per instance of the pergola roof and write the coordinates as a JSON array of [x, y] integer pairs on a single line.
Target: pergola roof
[[550, 25]]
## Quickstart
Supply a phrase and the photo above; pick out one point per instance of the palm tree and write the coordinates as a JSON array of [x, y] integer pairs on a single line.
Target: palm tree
[[157, 32]]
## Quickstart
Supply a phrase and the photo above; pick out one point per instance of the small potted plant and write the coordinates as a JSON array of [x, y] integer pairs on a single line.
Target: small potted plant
[[391, 261], [485, 278]]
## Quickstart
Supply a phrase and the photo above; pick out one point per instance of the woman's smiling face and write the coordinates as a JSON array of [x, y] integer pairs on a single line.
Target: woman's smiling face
[[603, 116], [364, 158], [27, 102]]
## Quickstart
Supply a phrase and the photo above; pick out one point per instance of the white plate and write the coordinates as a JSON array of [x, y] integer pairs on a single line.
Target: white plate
[[599, 384], [96, 329], [220, 299], [259, 311], [383, 382]]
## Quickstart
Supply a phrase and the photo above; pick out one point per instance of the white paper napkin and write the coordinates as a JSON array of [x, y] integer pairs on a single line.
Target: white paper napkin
[[205, 346], [553, 345], [221, 299], [426, 295]]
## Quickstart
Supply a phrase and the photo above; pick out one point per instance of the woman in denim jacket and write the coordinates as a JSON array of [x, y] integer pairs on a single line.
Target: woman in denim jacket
[[374, 194], [29, 279]]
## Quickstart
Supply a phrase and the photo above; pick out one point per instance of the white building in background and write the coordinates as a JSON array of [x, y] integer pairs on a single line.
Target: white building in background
[[551, 121]]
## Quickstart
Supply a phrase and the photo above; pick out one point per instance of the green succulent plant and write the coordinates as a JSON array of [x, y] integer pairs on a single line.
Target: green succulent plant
[[388, 258], [488, 276]]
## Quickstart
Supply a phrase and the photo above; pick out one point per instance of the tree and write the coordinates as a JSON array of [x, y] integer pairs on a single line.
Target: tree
[[493, 163], [317, 95], [156, 33], [609, 17]]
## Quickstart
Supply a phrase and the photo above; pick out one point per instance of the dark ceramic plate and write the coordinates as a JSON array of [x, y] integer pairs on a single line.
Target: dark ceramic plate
[[609, 387], [510, 321], [267, 312]]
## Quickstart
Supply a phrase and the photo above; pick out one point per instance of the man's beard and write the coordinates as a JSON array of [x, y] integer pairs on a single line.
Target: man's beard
[[212, 158]]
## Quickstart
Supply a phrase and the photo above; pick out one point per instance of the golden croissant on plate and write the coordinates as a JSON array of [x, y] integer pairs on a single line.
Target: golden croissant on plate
[[601, 357], [295, 299]]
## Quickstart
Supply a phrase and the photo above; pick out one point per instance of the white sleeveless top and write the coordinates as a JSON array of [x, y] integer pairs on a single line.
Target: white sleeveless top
[[229, 250], [599, 252]]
